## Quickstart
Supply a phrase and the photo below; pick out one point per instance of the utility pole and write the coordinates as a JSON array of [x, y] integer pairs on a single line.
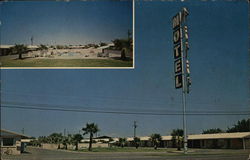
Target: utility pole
[[23, 131], [135, 126], [64, 132], [31, 39]]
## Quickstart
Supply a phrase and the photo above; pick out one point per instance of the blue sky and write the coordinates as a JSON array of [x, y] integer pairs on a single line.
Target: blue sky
[[73, 22], [218, 57]]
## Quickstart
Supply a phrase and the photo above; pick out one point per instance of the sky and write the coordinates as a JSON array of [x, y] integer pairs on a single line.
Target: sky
[[218, 55], [74, 22]]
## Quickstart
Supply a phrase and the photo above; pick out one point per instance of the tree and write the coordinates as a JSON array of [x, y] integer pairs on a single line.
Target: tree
[[43, 47], [43, 139], [123, 54], [19, 49], [122, 43], [91, 128], [102, 44], [34, 142], [76, 139], [212, 130], [56, 138], [155, 139], [177, 135], [118, 43], [66, 141], [241, 126], [125, 45], [136, 142], [122, 142]]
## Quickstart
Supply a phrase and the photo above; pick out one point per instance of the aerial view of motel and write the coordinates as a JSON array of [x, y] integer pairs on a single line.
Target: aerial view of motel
[[66, 34]]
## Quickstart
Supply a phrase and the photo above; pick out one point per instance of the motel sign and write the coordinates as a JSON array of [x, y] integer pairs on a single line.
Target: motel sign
[[181, 46], [177, 39]]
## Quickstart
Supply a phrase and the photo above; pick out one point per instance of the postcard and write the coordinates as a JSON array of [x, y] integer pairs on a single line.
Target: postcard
[[116, 80]]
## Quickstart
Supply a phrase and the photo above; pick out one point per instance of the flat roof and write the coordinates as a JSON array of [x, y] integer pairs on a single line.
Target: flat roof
[[145, 138], [220, 136], [166, 138], [6, 46], [28, 46], [199, 136]]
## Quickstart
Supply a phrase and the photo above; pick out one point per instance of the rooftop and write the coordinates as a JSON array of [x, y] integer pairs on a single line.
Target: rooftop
[[199, 136], [6, 133], [220, 136], [8, 46]]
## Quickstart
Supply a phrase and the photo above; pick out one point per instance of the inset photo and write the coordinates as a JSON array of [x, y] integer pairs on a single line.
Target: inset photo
[[66, 34]]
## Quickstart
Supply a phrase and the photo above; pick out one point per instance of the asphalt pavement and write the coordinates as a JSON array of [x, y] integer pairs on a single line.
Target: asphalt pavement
[[43, 154]]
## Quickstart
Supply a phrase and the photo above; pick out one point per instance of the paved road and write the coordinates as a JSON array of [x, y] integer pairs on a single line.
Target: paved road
[[42, 154]]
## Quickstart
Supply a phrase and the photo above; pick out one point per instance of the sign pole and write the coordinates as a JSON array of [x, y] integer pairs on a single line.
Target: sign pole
[[183, 92], [184, 110]]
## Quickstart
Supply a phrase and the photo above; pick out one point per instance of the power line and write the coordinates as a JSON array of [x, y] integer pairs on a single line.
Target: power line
[[135, 100], [88, 108], [159, 108], [126, 110], [119, 112]]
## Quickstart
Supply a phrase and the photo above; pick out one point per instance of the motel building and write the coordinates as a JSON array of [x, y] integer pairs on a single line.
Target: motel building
[[12, 143], [6, 49], [238, 140], [166, 141]]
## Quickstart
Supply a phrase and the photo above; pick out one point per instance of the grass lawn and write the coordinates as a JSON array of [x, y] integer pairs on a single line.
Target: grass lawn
[[35, 62]]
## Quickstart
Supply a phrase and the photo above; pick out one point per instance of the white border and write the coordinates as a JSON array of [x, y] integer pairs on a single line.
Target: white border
[[133, 67]]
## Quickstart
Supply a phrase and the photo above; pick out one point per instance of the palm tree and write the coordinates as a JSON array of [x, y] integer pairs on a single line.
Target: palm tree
[[136, 142], [66, 141], [19, 49], [241, 126], [76, 139], [155, 139], [177, 135], [56, 138], [91, 129], [122, 142]]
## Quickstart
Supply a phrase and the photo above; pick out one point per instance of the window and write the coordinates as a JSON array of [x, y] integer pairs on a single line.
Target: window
[[8, 141]]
